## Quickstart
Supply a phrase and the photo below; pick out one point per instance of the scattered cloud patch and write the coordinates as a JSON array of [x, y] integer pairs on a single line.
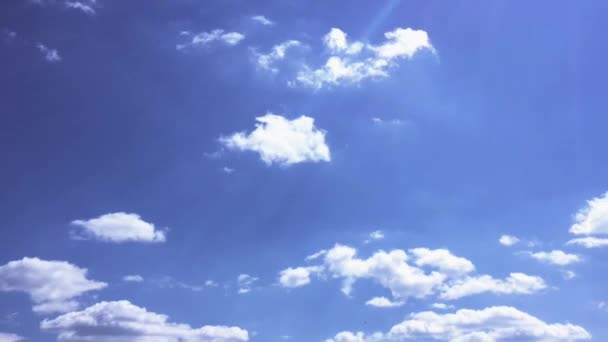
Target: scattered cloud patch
[[589, 242], [50, 55], [123, 321], [118, 227], [169, 282], [497, 323], [267, 61], [375, 236], [133, 278], [383, 302], [228, 170], [567, 274], [282, 141], [298, 276], [592, 219], [442, 306], [316, 255], [206, 38], [508, 240], [393, 122], [556, 257], [86, 6], [443, 260], [6, 337], [245, 283], [515, 283], [353, 62], [260, 19], [51, 285]]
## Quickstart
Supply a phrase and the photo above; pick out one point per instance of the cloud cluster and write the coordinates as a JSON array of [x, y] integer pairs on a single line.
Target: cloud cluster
[[591, 220], [352, 62], [118, 227], [282, 141], [51, 55], [123, 321], [52, 285], [497, 323], [245, 283], [6, 337], [418, 273], [267, 61]]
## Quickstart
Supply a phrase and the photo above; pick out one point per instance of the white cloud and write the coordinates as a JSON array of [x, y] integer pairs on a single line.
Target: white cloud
[[589, 242], [228, 170], [282, 141], [602, 305], [299, 276], [245, 283], [51, 55], [567, 274], [443, 260], [211, 283], [118, 227], [122, 321], [350, 63], [515, 283], [442, 306], [206, 38], [133, 278], [262, 20], [383, 302], [393, 122], [86, 6], [374, 236], [508, 240], [279, 52], [592, 219], [5, 337], [316, 255], [52, 285], [556, 257], [497, 323]]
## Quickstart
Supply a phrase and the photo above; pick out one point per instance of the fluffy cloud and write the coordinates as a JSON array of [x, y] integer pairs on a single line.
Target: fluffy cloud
[[589, 242], [508, 240], [118, 227], [592, 219], [299, 276], [52, 285], [206, 38], [556, 257], [278, 52], [442, 306], [5, 337], [443, 260], [122, 321], [245, 282], [350, 63], [51, 55], [515, 283], [497, 323], [282, 141], [383, 302], [133, 278], [262, 20]]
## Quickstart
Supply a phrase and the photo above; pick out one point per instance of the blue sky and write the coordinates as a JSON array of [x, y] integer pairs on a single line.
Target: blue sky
[[286, 170]]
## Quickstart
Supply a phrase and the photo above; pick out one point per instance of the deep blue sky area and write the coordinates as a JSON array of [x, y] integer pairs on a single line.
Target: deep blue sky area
[[497, 127]]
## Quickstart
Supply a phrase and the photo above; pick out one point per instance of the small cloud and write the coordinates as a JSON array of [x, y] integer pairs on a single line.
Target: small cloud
[[51, 55], [211, 283], [245, 282], [442, 306], [555, 257], [206, 38], [383, 302], [602, 305], [375, 236], [87, 7], [316, 255], [567, 274], [592, 219], [118, 227], [589, 242], [508, 240], [133, 278], [262, 20], [228, 170], [267, 61]]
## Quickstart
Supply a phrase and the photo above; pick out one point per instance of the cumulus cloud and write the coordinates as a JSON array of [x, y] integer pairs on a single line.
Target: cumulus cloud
[[133, 278], [508, 240], [443, 260], [206, 38], [352, 62], [515, 283], [122, 321], [52, 285], [589, 242], [282, 141], [245, 283], [50, 55], [260, 19], [6, 337], [118, 227], [298, 276], [278, 52], [556, 257], [383, 302], [592, 219]]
